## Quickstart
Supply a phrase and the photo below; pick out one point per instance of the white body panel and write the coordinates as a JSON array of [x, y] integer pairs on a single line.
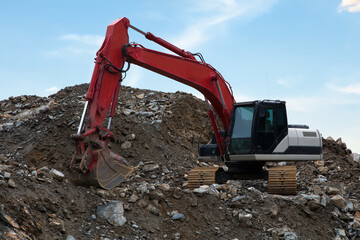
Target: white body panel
[[298, 137], [275, 157]]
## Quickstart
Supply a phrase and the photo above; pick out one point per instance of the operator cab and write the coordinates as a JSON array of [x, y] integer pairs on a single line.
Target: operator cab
[[259, 132], [257, 127]]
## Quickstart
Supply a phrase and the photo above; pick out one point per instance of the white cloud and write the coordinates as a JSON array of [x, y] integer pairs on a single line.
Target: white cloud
[[352, 88], [95, 40], [204, 27], [77, 45], [350, 6], [52, 89], [288, 81], [305, 104]]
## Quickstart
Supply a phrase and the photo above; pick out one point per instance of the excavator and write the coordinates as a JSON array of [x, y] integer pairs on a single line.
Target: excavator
[[246, 135]]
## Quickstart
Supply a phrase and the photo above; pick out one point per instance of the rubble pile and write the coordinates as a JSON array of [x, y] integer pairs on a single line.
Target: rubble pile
[[159, 133]]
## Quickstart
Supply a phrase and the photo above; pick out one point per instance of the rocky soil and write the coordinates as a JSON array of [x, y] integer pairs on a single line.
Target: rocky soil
[[158, 132]]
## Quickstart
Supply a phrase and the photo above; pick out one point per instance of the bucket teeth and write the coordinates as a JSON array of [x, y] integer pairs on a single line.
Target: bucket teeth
[[282, 180]]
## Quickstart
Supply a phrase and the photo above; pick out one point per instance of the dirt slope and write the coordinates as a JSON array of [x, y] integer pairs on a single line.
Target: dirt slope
[[158, 132]]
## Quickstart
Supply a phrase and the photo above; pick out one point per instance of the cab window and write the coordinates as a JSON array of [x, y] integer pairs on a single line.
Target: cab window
[[241, 134]]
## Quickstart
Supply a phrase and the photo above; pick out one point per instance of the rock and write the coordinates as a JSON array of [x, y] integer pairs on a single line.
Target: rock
[[233, 191], [238, 198], [142, 203], [356, 204], [7, 175], [311, 197], [290, 236], [235, 213], [302, 201], [133, 198], [356, 223], [339, 141], [213, 191], [340, 234], [40, 207], [158, 122], [349, 206], [156, 194], [274, 210], [69, 237], [142, 188], [329, 138], [113, 212], [323, 170], [177, 193], [6, 218], [58, 224], [176, 236], [145, 114], [339, 202], [314, 205], [128, 112], [130, 137], [126, 145], [332, 191], [194, 202], [127, 207], [102, 192], [57, 174], [11, 183], [316, 190], [165, 169], [150, 167], [319, 179], [356, 157], [244, 219], [201, 190], [140, 96], [177, 216], [320, 163], [43, 172], [164, 187], [343, 146], [154, 210], [325, 200]]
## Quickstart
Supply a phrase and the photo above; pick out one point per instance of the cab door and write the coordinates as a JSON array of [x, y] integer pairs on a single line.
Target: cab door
[[241, 130], [270, 126]]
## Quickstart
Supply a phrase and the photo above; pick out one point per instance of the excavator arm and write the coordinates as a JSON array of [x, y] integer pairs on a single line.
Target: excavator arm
[[92, 154]]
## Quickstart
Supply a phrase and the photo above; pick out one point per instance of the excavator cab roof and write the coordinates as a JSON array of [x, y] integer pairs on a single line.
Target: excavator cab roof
[[259, 102]]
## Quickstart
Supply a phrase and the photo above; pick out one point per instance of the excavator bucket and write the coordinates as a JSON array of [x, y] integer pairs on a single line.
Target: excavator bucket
[[99, 167], [110, 172]]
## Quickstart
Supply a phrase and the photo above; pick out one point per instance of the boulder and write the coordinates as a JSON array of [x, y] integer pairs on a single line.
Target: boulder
[[150, 167], [177, 216], [314, 205], [339, 202], [126, 145], [332, 191], [113, 212]]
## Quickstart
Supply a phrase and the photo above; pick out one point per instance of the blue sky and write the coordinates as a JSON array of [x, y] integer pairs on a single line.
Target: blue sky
[[304, 52]]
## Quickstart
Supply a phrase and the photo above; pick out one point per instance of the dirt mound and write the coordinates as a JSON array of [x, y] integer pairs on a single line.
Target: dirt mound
[[158, 132]]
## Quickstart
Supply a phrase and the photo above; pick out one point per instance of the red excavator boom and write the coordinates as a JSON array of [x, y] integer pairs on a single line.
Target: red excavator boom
[[92, 155]]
